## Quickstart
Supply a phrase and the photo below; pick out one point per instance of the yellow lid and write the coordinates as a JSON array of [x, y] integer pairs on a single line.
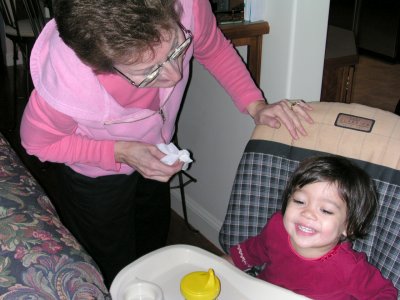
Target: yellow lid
[[200, 285]]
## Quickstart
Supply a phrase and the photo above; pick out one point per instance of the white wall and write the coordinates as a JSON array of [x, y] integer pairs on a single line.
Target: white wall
[[293, 52], [217, 133]]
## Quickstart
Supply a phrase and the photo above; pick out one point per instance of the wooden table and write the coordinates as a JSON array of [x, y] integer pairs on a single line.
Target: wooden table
[[248, 34]]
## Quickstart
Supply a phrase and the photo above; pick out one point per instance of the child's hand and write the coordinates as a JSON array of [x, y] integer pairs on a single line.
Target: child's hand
[[228, 258]]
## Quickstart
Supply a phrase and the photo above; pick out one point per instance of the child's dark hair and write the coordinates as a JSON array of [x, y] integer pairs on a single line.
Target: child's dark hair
[[355, 188]]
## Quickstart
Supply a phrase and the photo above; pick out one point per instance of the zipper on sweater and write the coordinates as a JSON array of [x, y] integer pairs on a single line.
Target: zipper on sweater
[[161, 112], [163, 118]]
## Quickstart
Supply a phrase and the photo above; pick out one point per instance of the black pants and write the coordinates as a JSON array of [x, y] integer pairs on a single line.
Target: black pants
[[116, 218]]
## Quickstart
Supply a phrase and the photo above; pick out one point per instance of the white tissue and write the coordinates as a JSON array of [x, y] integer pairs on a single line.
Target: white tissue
[[173, 154]]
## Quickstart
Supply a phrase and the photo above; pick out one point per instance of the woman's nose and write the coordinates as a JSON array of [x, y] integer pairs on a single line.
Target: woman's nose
[[172, 71]]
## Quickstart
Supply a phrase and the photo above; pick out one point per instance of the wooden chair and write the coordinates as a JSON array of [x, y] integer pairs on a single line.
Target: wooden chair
[[20, 33], [35, 10]]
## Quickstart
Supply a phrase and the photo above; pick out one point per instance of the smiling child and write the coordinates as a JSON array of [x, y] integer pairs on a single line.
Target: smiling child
[[306, 247]]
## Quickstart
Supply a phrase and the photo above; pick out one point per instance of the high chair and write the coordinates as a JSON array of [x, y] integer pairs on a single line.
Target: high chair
[[368, 136]]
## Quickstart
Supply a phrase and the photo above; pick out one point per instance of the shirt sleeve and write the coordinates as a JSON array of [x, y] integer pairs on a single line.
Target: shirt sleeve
[[253, 251], [219, 57], [51, 136], [367, 282]]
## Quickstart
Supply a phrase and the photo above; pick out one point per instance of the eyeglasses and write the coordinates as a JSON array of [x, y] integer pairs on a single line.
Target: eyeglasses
[[181, 49]]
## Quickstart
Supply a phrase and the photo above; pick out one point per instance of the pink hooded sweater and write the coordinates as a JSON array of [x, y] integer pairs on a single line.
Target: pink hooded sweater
[[75, 116]]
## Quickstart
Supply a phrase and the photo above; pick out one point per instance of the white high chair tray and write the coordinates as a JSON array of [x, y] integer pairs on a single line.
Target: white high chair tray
[[167, 266]]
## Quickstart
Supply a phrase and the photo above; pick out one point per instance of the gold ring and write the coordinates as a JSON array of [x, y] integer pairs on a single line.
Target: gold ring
[[293, 104]]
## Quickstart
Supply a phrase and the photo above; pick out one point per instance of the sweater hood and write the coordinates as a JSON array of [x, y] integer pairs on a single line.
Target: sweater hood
[[62, 79]]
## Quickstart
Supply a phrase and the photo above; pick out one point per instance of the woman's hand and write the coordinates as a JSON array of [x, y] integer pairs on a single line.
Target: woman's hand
[[145, 158], [288, 113]]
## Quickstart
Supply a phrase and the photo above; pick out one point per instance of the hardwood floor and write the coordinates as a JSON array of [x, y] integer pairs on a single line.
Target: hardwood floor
[[376, 83], [179, 233]]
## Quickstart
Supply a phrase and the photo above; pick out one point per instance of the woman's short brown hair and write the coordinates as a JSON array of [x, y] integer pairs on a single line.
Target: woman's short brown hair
[[105, 32]]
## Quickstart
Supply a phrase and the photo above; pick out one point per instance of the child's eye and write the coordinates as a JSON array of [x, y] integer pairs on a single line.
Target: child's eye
[[298, 201], [328, 212]]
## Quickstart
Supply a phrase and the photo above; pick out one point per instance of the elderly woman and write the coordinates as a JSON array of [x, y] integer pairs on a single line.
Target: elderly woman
[[109, 79]]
